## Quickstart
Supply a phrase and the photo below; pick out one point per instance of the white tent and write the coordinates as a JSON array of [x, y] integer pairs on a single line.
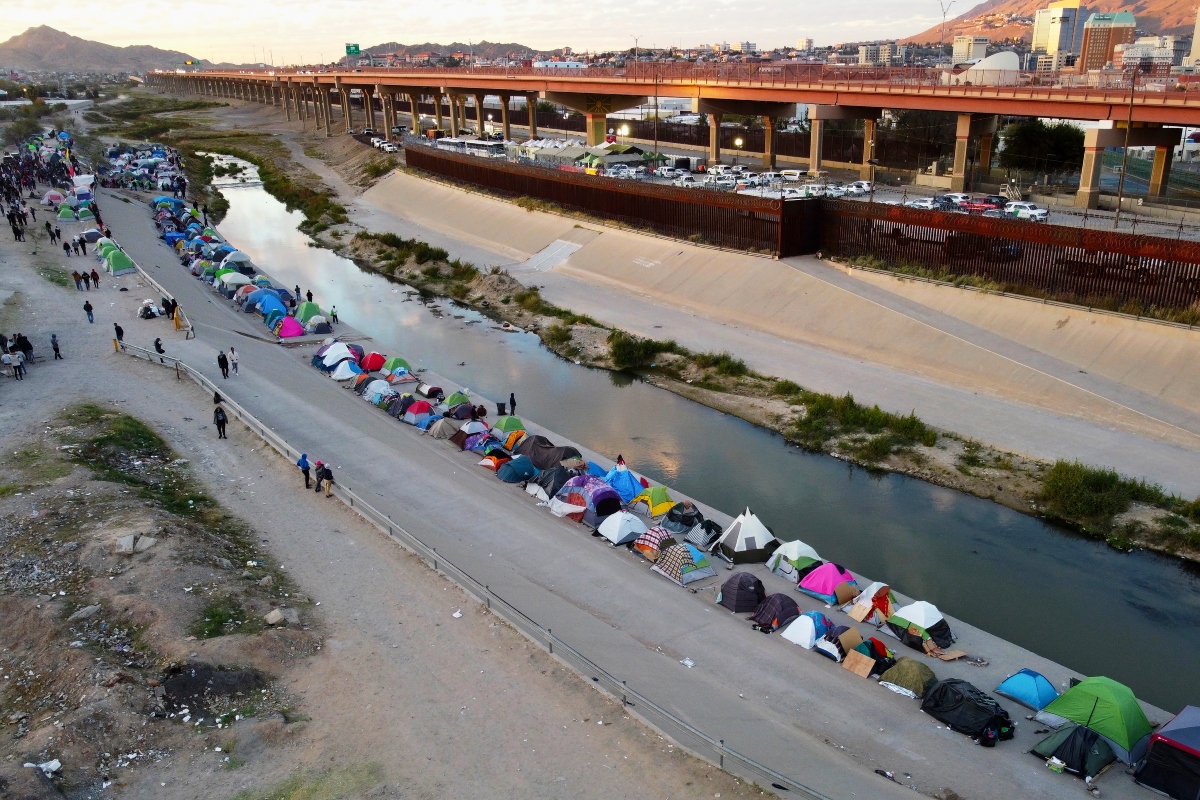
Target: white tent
[[235, 258], [621, 527], [863, 609], [747, 539], [921, 614], [802, 632], [234, 279], [345, 371], [336, 353], [376, 388], [474, 426], [783, 561]]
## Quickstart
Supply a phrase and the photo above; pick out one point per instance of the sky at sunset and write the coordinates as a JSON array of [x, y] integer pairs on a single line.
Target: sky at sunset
[[292, 31]]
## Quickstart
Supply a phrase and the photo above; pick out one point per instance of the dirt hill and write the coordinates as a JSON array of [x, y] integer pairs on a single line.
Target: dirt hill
[[44, 49], [1013, 19], [484, 49]]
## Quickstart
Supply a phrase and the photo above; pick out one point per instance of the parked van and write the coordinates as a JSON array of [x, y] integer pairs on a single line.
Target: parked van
[[791, 174]]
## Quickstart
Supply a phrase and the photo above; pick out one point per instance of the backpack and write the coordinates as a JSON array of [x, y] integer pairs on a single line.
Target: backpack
[[989, 737], [220, 416]]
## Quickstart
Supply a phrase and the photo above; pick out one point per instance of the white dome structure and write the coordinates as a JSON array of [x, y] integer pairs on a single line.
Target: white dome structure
[[998, 69]]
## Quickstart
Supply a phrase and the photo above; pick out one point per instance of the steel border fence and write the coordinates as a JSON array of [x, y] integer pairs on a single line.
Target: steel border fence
[[701, 744]]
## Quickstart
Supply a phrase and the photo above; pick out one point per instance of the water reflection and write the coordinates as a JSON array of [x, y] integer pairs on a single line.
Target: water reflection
[[1067, 598]]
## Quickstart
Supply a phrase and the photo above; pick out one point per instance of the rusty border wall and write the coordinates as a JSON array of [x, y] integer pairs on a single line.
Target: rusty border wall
[[1065, 263], [719, 218]]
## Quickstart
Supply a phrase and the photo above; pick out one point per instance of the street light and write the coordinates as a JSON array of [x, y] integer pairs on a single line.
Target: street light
[[738, 144], [624, 131]]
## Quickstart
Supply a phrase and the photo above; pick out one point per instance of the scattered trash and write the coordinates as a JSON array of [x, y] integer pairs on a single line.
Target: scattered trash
[[457, 614], [687, 662], [891, 776]]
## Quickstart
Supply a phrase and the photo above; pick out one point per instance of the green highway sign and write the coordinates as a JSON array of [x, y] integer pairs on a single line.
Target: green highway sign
[[352, 50]]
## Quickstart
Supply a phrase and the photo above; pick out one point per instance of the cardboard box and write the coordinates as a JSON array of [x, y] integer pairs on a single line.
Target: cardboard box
[[952, 655], [930, 647], [845, 593], [850, 639], [859, 664], [859, 613]]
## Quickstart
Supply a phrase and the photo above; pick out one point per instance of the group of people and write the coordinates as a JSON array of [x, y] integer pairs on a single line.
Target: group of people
[[16, 352], [228, 362], [84, 280], [320, 471], [19, 215]]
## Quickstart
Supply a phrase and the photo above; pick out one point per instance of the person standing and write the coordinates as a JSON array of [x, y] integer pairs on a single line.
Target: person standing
[[223, 363], [309, 295], [18, 359], [87, 307], [120, 332], [220, 420], [7, 360], [305, 470], [512, 403], [78, 280], [320, 475], [95, 278], [333, 315], [298, 295], [54, 347], [233, 359], [327, 474]]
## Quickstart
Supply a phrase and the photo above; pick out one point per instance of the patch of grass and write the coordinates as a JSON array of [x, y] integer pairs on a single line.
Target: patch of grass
[[9, 489], [723, 363], [628, 351], [221, 617], [557, 335], [785, 388], [531, 300], [829, 416], [1075, 492], [377, 169], [970, 455], [403, 249], [876, 448], [334, 784], [533, 204], [59, 277], [39, 466]]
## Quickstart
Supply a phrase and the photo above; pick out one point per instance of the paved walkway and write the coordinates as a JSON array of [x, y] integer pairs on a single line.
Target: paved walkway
[[789, 709]]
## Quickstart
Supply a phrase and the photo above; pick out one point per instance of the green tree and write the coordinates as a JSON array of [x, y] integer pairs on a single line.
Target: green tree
[[1035, 146]]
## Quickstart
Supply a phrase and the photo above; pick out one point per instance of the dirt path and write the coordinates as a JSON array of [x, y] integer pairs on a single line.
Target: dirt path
[[404, 699]]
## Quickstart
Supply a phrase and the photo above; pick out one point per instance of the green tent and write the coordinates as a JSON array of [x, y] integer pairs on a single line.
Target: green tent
[[119, 263], [908, 673], [657, 501], [306, 311], [209, 232], [457, 399], [1084, 752], [394, 362], [1110, 709], [509, 424], [65, 212], [86, 214], [218, 273], [105, 249]]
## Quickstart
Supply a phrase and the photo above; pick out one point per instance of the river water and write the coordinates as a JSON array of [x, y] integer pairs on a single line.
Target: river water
[[1131, 617]]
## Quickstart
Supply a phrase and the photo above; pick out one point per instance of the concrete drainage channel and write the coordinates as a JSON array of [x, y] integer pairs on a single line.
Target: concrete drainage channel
[[647, 711]]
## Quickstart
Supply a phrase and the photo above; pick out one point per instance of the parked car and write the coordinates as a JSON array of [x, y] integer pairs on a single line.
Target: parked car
[[924, 203], [790, 174], [769, 177], [835, 191], [368, 131], [687, 182], [994, 200], [388, 147], [376, 141], [958, 197], [1025, 210], [748, 179]]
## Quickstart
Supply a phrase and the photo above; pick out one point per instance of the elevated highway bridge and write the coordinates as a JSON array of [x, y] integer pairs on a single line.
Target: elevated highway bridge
[[766, 90]]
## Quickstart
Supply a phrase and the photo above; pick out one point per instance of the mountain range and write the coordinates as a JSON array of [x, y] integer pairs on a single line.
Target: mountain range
[[44, 49], [994, 18]]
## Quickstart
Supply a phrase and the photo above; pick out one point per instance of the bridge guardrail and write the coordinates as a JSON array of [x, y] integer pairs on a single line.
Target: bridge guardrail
[[701, 744]]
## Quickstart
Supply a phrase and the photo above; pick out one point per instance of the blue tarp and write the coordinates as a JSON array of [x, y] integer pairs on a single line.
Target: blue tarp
[[597, 470], [1028, 688], [172, 238], [624, 482], [518, 469]]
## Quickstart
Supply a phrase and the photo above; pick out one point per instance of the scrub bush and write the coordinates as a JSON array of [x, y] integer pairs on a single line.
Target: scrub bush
[[724, 363], [557, 335], [785, 388], [628, 351], [1074, 491]]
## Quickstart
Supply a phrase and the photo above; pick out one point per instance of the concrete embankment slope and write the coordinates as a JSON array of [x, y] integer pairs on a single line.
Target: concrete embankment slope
[[984, 346]]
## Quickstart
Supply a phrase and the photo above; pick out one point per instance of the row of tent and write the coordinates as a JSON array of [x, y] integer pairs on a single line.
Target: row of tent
[[1096, 721]]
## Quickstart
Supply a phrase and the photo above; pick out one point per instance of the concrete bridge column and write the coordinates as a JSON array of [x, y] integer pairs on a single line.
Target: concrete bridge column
[[462, 113], [1160, 172], [1088, 195], [454, 115], [347, 109], [986, 143], [480, 117], [286, 98], [596, 108], [389, 101], [531, 101], [768, 159], [437, 107], [414, 111], [962, 143], [816, 137], [714, 139], [326, 109], [869, 132], [595, 127], [504, 98]]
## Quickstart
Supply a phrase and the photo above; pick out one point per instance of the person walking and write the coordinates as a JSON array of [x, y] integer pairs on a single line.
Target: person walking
[[120, 332], [309, 295], [512, 403], [82, 245], [220, 420], [54, 347], [223, 363], [18, 359], [233, 359], [66, 250], [320, 475], [78, 280], [158, 348], [50, 231], [87, 307], [327, 474], [333, 315], [58, 234], [305, 469], [95, 278], [75, 244], [87, 281]]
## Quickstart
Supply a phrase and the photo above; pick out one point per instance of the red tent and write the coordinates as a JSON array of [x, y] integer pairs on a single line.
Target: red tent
[[373, 361], [420, 407]]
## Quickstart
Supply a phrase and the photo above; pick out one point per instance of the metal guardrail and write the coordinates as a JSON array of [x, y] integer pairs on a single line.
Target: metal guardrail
[[701, 744]]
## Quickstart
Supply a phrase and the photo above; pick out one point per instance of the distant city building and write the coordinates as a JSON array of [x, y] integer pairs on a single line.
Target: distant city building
[[1195, 56], [1053, 62], [1151, 56], [805, 45], [881, 54], [970, 48], [747, 48], [1058, 29], [1101, 35]]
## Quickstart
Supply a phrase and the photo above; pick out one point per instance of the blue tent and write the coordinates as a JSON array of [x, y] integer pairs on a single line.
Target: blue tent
[[268, 303], [623, 481], [596, 470], [1028, 688], [517, 470], [64, 135]]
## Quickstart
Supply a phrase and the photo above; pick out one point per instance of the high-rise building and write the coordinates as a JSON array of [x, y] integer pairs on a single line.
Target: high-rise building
[[1058, 30], [804, 44], [881, 54], [1151, 56], [1195, 55], [746, 48], [1101, 35], [970, 48]]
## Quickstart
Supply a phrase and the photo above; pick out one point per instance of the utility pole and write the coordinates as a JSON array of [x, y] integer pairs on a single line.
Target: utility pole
[[1133, 72], [945, 10], [635, 50]]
